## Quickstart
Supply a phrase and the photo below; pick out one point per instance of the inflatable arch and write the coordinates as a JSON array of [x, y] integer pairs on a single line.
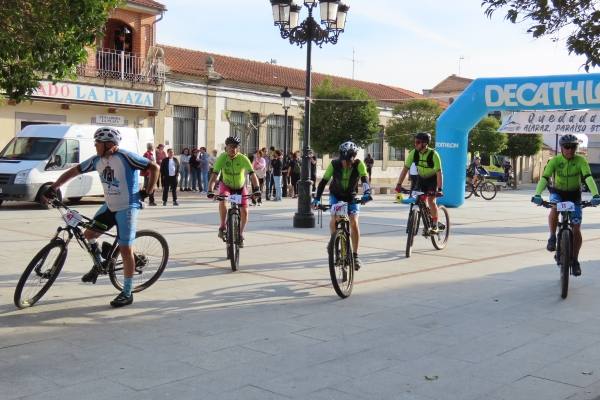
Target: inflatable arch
[[486, 95]]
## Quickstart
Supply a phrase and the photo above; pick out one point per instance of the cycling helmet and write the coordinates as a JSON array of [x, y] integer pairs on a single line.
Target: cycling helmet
[[423, 136], [107, 134], [348, 150], [233, 140], [568, 139]]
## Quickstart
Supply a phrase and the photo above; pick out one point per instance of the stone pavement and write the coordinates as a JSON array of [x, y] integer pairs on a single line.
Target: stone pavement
[[482, 319]]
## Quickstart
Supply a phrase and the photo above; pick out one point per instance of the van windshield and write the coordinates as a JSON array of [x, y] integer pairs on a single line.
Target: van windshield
[[29, 148]]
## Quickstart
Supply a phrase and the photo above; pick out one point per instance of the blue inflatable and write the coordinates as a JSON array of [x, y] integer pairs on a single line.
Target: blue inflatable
[[486, 95]]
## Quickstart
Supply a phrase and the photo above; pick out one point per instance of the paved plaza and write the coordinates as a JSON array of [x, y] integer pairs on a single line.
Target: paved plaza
[[482, 319]]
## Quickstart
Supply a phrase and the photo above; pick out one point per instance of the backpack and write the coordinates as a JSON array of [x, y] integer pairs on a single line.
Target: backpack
[[417, 157], [297, 169]]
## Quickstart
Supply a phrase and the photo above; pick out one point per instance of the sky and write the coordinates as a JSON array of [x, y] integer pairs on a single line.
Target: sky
[[409, 44]]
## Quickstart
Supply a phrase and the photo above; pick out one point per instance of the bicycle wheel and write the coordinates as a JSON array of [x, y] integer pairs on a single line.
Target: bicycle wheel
[[440, 239], [468, 190], [566, 250], [151, 254], [341, 263], [233, 240], [487, 190], [40, 274], [410, 231]]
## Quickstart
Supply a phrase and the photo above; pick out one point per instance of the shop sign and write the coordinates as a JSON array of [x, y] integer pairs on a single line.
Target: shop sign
[[554, 122], [94, 94], [103, 119]]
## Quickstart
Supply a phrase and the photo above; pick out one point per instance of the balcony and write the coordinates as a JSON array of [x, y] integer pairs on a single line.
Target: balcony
[[125, 66]]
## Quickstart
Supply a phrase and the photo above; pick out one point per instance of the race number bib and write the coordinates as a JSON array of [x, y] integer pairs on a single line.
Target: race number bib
[[565, 206], [340, 209], [235, 198], [72, 218]]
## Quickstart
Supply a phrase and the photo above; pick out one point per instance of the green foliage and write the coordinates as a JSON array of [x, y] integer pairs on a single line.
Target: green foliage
[[548, 18], [523, 145], [409, 118], [46, 39], [334, 122], [485, 138]]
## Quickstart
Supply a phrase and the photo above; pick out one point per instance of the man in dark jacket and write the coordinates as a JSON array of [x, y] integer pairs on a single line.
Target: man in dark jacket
[[169, 171]]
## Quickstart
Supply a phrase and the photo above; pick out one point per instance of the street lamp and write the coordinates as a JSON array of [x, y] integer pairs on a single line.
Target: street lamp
[[286, 16], [286, 102]]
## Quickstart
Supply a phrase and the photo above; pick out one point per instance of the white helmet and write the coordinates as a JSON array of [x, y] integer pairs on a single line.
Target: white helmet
[[348, 150], [107, 134]]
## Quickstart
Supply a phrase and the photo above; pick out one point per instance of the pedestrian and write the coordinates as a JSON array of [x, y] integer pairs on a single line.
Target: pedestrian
[[195, 171], [369, 163], [169, 170], [203, 158], [270, 183], [160, 156], [267, 180], [313, 170], [285, 178], [277, 169], [294, 172], [184, 161], [149, 154], [260, 168]]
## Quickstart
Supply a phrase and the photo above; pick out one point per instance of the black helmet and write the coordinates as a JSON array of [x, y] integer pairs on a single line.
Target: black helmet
[[233, 140], [568, 139], [423, 136]]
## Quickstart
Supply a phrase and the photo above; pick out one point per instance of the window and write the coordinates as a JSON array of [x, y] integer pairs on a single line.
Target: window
[[65, 155], [375, 149], [185, 128], [396, 154], [29, 148], [245, 126], [276, 133]]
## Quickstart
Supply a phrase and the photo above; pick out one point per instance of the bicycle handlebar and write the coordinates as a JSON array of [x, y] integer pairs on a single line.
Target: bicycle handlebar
[[550, 204], [359, 200], [92, 223]]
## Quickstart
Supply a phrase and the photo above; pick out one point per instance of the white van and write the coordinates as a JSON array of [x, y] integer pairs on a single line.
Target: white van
[[39, 154]]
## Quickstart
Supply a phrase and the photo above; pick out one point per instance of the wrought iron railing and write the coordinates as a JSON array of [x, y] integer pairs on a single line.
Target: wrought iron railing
[[121, 65]]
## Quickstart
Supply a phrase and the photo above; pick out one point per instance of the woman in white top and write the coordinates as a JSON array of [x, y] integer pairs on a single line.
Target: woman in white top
[[184, 160], [260, 168]]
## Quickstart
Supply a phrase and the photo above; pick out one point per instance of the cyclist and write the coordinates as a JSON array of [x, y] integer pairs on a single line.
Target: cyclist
[[346, 171], [429, 178], [119, 177], [233, 167], [475, 171], [568, 169]]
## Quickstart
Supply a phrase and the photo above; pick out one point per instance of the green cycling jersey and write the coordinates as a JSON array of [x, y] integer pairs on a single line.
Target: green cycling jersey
[[426, 169], [346, 172], [233, 170], [568, 174]]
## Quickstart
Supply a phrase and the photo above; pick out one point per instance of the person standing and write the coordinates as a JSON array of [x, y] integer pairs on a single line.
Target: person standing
[[184, 160], [313, 170], [149, 154], [369, 163], [169, 170], [294, 172], [203, 157], [277, 169], [260, 168], [195, 170], [159, 157], [267, 158]]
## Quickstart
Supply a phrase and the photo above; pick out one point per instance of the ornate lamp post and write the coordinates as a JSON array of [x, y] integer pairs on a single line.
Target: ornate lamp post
[[286, 103], [333, 18]]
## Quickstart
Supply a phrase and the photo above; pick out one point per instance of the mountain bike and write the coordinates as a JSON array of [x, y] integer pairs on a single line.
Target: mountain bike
[[339, 249], [486, 189], [564, 240], [233, 234], [151, 254], [419, 211]]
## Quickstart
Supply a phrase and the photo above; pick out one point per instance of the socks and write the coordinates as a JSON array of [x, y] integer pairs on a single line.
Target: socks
[[127, 286]]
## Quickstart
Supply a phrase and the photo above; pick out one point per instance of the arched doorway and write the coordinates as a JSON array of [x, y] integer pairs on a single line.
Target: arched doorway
[[118, 36], [486, 95]]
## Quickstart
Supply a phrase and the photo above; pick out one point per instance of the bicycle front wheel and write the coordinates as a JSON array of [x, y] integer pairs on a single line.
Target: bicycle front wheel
[[40, 274], [151, 254], [410, 232], [341, 263], [488, 190], [233, 240], [440, 239], [468, 190], [565, 254]]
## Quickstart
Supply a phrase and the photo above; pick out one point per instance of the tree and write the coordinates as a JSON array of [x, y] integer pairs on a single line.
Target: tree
[[548, 18], [409, 118], [353, 117], [522, 145], [485, 138], [46, 39]]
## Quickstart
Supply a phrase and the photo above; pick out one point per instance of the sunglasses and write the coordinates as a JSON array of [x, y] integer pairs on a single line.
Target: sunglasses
[[420, 142], [569, 146]]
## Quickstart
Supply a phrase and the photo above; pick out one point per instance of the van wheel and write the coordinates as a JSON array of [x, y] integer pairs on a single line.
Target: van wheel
[[74, 200], [44, 205]]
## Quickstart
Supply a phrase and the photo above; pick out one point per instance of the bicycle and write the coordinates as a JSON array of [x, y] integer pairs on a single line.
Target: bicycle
[[233, 235], [422, 213], [564, 240], [486, 189], [151, 256], [339, 249]]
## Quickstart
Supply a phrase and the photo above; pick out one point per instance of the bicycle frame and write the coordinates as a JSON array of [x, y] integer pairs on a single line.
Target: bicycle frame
[[423, 214]]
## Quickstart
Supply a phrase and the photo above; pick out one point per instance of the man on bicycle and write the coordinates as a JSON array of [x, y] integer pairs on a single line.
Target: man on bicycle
[[233, 167], [429, 168], [475, 172], [568, 169], [346, 171], [118, 174]]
